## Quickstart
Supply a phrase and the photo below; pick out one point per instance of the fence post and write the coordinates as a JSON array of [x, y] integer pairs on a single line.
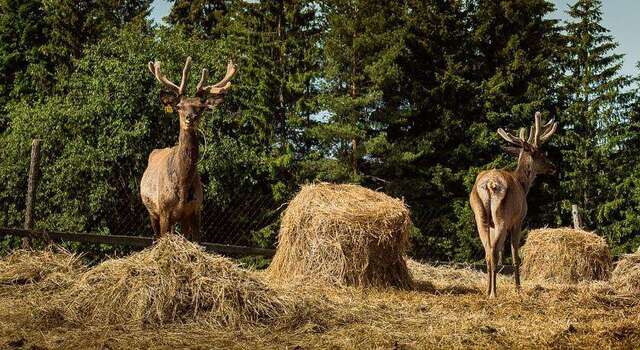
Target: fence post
[[34, 174], [577, 220]]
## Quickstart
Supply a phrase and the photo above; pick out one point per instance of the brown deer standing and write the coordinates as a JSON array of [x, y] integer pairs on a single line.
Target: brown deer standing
[[170, 187], [499, 197]]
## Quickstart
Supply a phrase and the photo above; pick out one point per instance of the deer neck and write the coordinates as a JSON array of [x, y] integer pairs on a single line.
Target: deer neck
[[525, 173], [186, 156]]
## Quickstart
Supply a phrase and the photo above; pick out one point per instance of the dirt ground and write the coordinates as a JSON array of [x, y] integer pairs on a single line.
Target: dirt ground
[[447, 309]]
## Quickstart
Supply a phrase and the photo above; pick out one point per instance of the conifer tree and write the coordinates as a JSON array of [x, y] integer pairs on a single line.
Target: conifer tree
[[593, 99], [201, 16], [362, 46]]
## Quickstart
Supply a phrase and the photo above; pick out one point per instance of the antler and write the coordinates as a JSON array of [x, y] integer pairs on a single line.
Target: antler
[[220, 87], [543, 134], [179, 90], [537, 135]]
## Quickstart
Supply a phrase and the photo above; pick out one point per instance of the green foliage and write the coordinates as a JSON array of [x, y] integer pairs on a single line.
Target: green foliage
[[404, 97], [593, 97]]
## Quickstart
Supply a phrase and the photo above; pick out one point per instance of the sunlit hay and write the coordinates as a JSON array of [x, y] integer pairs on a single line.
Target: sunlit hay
[[173, 281], [626, 276], [565, 255], [51, 267], [343, 235]]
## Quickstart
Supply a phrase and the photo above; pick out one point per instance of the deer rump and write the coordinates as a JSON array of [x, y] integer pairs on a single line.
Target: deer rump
[[501, 198]]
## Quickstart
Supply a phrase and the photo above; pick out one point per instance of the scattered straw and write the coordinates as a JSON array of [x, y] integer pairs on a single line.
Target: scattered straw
[[626, 276], [565, 255], [343, 235], [173, 281], [455, 314], [50, 267]]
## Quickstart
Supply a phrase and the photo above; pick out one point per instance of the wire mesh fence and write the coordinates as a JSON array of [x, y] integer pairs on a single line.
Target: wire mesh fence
[[239, 216]]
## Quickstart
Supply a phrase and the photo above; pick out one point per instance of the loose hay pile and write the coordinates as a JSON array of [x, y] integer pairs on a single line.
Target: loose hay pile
[[565, 255], [173, 281], [50, 267], [343, 235], [626, 276]]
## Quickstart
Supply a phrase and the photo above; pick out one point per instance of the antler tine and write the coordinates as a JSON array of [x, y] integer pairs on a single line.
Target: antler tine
[[538, 121], [225, 83], [203, 80], [523, 134], [531, 135], [509, 137], [155, 70], [185, 75], [549, 131]]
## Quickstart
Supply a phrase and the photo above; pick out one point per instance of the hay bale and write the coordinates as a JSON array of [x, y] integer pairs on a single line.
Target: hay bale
[[53, 266], [173, 281], [565, 255], [625, 278], [343, 235]]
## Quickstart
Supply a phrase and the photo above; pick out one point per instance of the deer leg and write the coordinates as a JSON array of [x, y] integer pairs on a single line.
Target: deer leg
[[488, 257], [498, 235], [483, 232], [165, 226], [195, 227], [155, 225], [515, 245], [186, 228]]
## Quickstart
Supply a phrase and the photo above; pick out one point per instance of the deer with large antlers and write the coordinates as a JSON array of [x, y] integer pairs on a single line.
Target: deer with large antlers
[[499, 197], [170, 187]]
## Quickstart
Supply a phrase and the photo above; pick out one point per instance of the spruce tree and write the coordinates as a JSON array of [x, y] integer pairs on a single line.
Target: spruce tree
[[277, 45], [430, 127], [40, 39], [22, 35], [362, 46], [200, 16], [593, 99]]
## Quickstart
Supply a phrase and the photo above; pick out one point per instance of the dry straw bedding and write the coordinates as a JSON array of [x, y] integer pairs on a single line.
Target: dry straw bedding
[[626, 276], [565, 255], [343, 235], [173, 281], [51, 267], [447, 310]]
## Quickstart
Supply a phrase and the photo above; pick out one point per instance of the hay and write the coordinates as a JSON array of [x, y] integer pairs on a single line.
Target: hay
[[173, 281], [53, 266], [583, 315], [343, 235], [565, 255], [626, 276]]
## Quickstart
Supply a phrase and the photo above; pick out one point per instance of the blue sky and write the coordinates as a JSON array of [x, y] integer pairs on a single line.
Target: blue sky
[[619, 16]]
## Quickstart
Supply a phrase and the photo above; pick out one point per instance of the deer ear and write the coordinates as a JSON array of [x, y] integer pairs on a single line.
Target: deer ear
[[515, 151], [214, 100], [169, 100]]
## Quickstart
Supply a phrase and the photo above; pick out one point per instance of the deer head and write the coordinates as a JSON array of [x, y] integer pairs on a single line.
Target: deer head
[[190, 108], [528, 148]]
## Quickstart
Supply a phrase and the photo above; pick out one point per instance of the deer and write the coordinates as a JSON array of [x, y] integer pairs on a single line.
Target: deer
[[170, 188], [499, 196]]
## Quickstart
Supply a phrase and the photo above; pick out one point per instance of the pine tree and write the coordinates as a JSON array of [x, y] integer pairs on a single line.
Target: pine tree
[[592, 96]]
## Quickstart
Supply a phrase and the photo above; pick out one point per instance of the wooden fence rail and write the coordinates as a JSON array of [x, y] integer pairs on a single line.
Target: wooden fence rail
[[234, 250], [130, 241]]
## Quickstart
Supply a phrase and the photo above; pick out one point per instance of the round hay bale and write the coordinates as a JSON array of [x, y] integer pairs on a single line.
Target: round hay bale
[[565, 255], [343, 235], [172, 281], [52, 267], [625, 278]]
